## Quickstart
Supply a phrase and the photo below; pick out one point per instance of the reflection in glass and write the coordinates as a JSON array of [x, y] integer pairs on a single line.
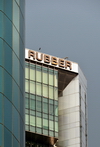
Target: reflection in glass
[[38, 122], [32, 104], [50, 92], [56, 78], [56, 126], [56, 93], [26, 86], [38, 74], [45, 123], [38, 106], [51, 111], [45, 90], [51, 126], [45, 107], [32, 87], [45, 76], [32, 74], [26, 73], [32, 120], [50, 77], [38, 88]]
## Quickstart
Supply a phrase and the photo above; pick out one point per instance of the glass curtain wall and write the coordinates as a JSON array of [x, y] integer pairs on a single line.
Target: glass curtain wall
[[12, 73], [41, 89]]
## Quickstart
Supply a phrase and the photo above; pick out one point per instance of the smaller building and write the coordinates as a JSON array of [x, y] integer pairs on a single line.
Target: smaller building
[[56, 102]]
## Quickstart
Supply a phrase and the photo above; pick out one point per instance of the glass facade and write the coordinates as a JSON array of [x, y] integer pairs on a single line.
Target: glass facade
[[12, 73], [41, 87]]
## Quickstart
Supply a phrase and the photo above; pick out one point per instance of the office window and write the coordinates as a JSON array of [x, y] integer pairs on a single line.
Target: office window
[[38, 122], [50, 92], [45, 124], [32, 120], [45, 76], [27, 73], [38, 73], [51, 77], [32, 74], [32, 87], [38, 88], [45, 90]]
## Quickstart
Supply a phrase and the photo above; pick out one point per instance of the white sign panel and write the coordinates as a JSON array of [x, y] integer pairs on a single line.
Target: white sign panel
[[51, 60]]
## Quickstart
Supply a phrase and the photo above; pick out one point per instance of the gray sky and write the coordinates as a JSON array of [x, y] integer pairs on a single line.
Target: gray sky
[[70, 28]]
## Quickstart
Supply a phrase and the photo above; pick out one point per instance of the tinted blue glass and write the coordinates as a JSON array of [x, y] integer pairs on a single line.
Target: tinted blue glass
[[8, 31], [7, 113], [1, 24], [10, 63], [21, 27], [16, 15], [7, 138], [16, 124], [8, 85], [22, 3], [22, 106], [16, 41], [22, 78], [22, 133], [16, 68], [15, 143], [17, 1], [1, 134], [1, 5], [8, 8], [8, 57], [1, 108], [16, 95], [1, 52], [1, 79]]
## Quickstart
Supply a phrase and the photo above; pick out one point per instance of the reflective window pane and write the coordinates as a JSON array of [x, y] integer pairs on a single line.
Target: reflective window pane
[[38, 74], [45, 123], [51, 126], [32, 104], [27, 73], [32, 120], [45, 76], [38, 106], [56, 93], [45, 107], [56, 126], [45, 90], [50, 92], [7, 113], [56, 78], [51, 111], [32, 74], [38, 88], [38, 122], [50, 77], [26, 86], [32, 87]]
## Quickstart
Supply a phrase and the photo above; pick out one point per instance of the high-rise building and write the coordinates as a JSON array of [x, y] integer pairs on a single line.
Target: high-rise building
[[56, 102], [12, 73]]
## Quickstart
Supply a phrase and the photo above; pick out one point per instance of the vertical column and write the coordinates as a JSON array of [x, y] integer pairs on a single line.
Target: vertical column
[[69, 116]]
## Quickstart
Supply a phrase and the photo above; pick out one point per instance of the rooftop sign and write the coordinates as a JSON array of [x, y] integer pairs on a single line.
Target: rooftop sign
[[51, 60]]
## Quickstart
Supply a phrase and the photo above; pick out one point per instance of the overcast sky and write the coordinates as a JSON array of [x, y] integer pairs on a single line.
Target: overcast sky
[[70, 28]]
